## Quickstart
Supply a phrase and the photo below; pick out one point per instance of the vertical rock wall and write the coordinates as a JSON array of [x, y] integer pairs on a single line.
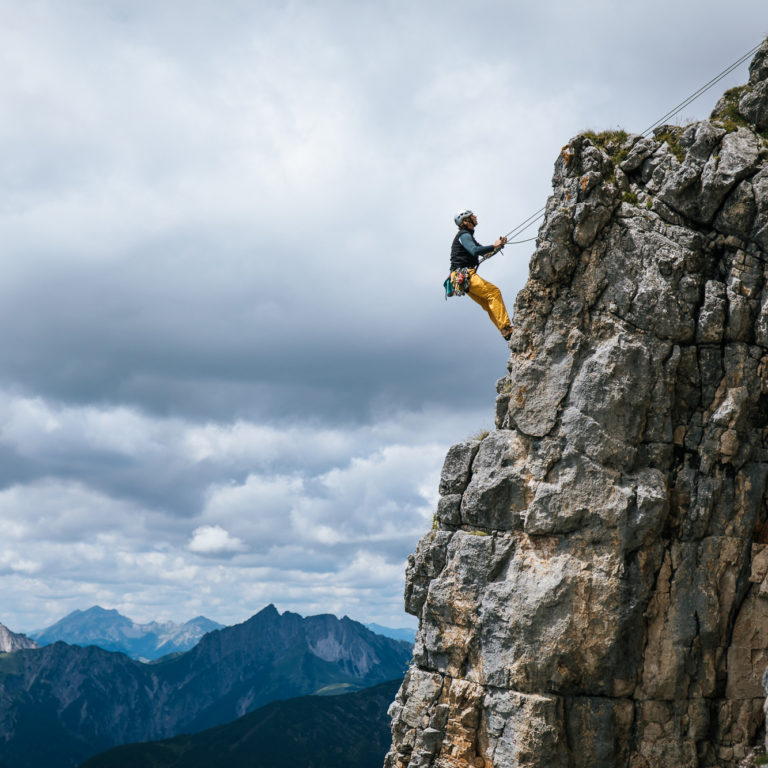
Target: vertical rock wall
[[595, 592]]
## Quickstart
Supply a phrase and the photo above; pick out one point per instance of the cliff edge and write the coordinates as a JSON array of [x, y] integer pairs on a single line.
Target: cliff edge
[[11, 641], [595, 591]]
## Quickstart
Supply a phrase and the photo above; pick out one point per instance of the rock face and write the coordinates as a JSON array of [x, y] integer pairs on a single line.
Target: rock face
[[595, 593], [11, 641]]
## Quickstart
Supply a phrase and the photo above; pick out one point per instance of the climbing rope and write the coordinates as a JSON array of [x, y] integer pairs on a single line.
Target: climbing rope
[[524, 225], [517, 242], [704, 88], [533, 218]]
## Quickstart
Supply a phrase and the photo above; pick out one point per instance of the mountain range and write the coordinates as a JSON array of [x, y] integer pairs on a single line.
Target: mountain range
[[403, 633], [322, 732], [86, 700], [112, 631]]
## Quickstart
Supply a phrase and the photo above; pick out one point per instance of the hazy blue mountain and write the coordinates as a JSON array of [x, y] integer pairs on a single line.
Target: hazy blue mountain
[[409, 635], [86, 700], [348, 731], [112, 631]]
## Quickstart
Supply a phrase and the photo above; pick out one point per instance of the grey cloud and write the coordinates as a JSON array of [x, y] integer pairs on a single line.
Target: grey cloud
[[97, 336], [169, 465], [176, 326]]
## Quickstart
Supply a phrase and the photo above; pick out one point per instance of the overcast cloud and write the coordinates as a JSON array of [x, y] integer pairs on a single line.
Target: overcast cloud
[[227, 373]]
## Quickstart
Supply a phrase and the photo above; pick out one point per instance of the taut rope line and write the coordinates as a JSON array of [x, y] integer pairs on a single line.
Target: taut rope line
[[682, 105]]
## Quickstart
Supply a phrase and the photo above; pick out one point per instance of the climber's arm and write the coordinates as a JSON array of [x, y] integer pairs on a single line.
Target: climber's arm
[[475, 250]]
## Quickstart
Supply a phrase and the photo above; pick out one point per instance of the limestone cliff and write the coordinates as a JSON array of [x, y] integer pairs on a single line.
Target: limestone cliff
[[11, 641], [595, 591]]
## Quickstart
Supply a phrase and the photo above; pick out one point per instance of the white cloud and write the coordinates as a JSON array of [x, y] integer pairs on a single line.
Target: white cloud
[[11, 562], [214, 540], [65, 511], [348, 507], [36, 427]]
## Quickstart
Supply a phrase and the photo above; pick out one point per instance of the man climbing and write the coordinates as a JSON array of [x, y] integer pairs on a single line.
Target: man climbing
[[466, 254]]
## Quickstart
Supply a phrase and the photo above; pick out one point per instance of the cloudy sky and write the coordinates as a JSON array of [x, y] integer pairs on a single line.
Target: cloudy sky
[[228, 376]]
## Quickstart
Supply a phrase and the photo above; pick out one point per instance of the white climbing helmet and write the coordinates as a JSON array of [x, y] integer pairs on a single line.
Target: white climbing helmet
[[461, 215]]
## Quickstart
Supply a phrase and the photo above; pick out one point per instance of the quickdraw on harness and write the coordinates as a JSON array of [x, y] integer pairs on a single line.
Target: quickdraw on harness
[[457, 283]]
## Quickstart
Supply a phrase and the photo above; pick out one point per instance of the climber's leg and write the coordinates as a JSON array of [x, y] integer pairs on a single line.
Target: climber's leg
[[488, 296]]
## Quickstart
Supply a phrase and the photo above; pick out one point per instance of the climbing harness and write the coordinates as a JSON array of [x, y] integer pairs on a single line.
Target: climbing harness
[[457, 283]]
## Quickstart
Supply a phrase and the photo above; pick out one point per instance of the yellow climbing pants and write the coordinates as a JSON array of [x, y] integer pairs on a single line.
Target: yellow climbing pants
[[488, 296]]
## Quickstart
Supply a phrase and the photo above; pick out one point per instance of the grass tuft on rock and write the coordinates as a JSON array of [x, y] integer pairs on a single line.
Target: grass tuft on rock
[[671, 135], [727, 110], [629, 197], [611, 142]]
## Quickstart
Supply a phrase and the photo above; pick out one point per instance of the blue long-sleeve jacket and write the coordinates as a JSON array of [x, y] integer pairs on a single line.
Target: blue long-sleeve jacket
[[466, 251]]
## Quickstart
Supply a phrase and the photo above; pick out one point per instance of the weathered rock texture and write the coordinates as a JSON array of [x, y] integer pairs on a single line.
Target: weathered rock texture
[[595, 593], [11, 641]]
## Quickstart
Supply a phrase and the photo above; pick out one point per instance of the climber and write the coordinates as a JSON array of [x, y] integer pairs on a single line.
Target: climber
[[466, 255]]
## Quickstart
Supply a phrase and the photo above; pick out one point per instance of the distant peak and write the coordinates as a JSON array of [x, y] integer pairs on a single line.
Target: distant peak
[[99, 609]]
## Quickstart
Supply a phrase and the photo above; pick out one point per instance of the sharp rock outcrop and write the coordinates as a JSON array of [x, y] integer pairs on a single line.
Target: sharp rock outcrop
[[595, 591], [12, 641]]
